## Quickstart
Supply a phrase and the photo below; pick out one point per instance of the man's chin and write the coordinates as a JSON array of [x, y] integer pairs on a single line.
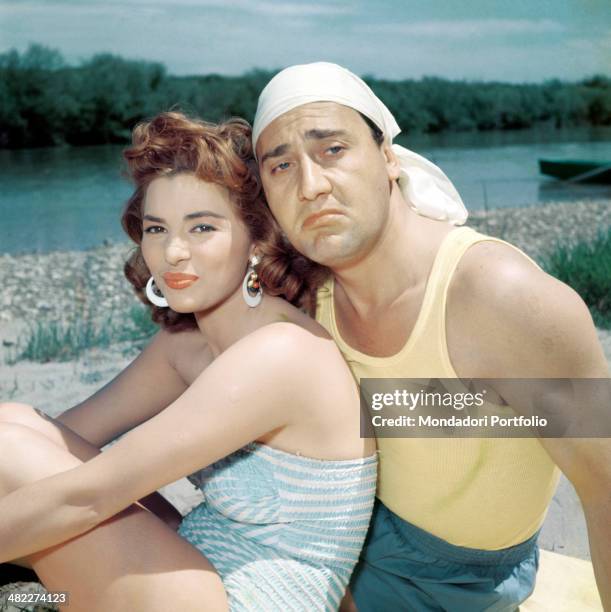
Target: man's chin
[[328, 250]]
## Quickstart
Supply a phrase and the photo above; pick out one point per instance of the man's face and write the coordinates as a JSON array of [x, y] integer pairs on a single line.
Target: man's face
[[327, 181]]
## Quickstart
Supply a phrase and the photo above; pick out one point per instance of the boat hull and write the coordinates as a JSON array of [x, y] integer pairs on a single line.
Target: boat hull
[[577, 170]]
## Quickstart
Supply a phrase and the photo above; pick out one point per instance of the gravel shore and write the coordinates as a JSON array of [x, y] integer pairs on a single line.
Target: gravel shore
[[537, 229], [65, 285]]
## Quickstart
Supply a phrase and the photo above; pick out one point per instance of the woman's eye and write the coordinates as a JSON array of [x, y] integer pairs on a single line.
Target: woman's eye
[[203, 227], [153, 229]]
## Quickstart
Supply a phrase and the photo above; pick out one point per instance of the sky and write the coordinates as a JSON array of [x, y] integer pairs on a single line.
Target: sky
[[503, 40]]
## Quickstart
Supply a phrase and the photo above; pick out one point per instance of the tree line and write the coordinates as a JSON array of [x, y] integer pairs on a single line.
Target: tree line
[[44, 101]]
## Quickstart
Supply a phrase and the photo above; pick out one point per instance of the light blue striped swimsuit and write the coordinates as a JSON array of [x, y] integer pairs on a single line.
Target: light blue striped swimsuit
[[283, 531]]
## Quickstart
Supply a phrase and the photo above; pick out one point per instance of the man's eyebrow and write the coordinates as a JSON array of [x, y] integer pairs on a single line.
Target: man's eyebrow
[[193, 215], [277, 152], [310, 135], [321, 134]]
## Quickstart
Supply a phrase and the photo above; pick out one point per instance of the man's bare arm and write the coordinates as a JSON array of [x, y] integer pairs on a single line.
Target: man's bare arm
[[515, 321]]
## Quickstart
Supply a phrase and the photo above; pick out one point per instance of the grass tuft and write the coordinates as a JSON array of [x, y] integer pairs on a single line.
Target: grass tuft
[[57, 341], [586, 267]]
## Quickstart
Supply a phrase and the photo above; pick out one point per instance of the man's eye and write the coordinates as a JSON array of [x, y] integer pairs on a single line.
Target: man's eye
[[335, 150], [203, 227], [280, 167], [153, 229]]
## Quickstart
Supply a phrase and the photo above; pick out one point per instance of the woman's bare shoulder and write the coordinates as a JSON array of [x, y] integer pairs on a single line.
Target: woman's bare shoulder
[[305, 357], [297, 334], [315, 388]]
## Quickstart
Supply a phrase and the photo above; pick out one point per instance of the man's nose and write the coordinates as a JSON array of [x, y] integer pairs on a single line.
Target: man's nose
[[176, 250], [313, 181]]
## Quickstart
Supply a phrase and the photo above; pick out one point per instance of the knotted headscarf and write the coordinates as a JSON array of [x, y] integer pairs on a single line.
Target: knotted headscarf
[[425, 187]]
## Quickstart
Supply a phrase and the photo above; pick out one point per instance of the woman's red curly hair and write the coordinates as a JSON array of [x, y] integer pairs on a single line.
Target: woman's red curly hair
[[172, 143]]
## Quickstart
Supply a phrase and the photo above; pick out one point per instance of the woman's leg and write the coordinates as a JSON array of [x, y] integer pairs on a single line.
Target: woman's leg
[[132, 561], [64, 437], [24, 414]]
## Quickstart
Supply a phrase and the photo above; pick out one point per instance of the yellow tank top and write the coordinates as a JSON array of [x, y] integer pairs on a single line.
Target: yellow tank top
[[476, 492]]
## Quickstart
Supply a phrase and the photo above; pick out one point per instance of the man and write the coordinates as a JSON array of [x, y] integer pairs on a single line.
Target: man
[[411, 295]]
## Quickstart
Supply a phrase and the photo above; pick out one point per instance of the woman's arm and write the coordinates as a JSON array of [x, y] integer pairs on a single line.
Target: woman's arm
[[142, 390], [80, 448], [125, 402], [259, 384]]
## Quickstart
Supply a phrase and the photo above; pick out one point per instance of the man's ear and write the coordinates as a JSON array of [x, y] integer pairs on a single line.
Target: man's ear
[[392, 162]]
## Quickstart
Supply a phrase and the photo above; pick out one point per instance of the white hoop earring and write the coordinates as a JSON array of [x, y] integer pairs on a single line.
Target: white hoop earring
[[154, 295], [252, 291]]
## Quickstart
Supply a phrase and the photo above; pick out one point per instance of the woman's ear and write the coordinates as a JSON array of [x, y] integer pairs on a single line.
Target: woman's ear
[[254, 252], [392, 162]]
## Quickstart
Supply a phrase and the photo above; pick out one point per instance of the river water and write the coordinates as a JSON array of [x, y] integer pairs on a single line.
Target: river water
[[71, 198]]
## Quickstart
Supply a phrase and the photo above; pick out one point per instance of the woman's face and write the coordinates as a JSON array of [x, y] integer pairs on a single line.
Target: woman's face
[[193, 242]]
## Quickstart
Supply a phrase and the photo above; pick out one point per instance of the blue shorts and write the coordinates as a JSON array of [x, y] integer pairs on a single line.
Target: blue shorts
[[403, 568]]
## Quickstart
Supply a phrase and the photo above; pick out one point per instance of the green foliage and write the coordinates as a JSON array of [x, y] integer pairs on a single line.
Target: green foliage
[[55, 341], [586, 267], [44, 102]]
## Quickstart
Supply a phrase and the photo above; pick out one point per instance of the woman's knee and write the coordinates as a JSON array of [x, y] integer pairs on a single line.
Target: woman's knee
[[13, 436], [15, 440], [28, 455], [17, 412], [19, 439]]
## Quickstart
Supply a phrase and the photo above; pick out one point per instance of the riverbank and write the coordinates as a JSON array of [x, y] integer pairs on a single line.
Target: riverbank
[[537, 229]]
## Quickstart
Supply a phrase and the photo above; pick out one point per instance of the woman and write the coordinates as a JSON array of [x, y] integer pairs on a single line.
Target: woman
[[238, 380]]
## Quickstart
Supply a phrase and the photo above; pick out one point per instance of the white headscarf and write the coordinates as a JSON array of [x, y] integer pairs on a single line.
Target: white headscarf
[[425, 187]]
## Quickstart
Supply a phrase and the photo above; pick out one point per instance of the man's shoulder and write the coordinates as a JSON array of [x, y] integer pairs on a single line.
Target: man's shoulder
[[498, 275], [514, 314]]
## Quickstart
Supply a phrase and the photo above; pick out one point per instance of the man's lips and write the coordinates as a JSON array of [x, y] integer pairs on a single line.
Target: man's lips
[[316, 218], [178, 280]]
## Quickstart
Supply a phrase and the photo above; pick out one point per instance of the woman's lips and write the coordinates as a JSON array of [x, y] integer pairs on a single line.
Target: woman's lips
[[177, 280]]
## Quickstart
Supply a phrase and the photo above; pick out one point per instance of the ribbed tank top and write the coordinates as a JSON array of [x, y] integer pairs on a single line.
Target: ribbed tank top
[[474, 492]]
